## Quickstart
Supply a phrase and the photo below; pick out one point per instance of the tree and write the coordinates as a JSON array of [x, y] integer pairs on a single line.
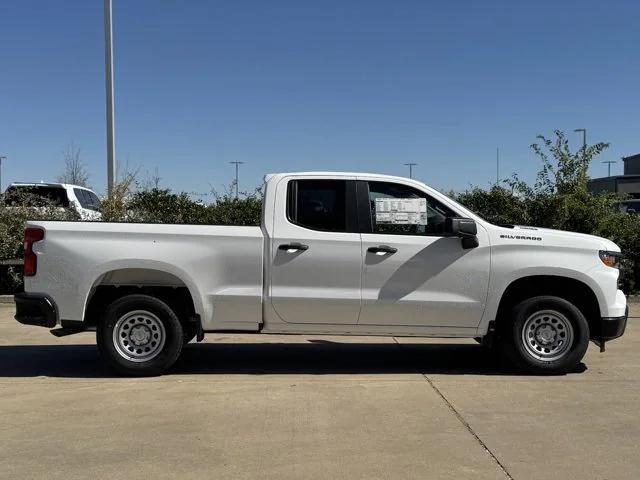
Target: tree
[[75, 171], [568, 172]]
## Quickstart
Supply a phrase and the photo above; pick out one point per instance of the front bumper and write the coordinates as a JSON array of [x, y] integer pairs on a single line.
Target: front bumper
[[35, 309], [609, 328]]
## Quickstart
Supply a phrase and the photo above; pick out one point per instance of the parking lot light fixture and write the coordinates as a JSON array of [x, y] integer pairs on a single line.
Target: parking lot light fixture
[[2, 157]]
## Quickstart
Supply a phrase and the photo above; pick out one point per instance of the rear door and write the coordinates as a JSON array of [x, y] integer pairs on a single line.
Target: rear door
[[316, 252], [413, 273]]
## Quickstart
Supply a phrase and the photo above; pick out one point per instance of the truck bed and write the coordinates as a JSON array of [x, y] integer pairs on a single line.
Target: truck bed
[[219, 265]]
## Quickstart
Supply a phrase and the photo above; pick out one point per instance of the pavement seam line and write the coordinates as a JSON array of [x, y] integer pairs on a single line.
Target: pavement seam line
[[468, 427], [462, 420]]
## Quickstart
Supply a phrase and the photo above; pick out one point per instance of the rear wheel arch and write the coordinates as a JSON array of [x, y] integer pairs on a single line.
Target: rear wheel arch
[[574, 291], [155, 283]]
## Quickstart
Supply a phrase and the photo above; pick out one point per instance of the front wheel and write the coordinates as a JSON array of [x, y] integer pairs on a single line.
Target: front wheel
[[139, 335], [548, 335]]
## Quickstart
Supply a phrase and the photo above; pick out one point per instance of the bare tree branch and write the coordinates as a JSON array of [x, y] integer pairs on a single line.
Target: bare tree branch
[[75, 171]]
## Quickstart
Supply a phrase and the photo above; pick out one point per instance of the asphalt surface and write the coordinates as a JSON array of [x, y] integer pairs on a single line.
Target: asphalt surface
[[290, 407]]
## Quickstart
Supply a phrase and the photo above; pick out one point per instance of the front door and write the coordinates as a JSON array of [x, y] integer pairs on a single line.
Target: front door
[[413, 274], [316, 255]]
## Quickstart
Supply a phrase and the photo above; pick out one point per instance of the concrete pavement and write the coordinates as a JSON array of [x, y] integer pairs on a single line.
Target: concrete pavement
[[314, 407]]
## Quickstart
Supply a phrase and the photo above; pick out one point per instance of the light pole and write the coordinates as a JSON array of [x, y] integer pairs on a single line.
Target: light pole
[[609, 162], [497, 166], [411, 165], [236, 164], [108, 72], [584, 141], [2, 157]]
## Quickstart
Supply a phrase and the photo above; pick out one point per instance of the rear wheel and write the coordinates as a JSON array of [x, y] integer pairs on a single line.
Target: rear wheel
[[139, 335], [548, 335]]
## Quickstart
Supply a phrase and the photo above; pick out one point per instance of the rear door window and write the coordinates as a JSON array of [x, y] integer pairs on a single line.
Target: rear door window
[[94, 200], [87, 199], [322, 204]]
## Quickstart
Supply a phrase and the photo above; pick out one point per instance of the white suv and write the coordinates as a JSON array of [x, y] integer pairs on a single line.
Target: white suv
[[80, 199]]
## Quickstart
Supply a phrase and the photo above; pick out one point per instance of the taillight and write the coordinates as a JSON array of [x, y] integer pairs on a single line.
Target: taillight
[[31, 235]]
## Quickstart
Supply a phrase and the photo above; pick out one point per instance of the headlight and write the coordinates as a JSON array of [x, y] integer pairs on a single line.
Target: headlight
[[611, 259]]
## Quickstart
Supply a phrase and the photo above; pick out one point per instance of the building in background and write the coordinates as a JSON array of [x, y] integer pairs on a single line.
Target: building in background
[[628, 182]]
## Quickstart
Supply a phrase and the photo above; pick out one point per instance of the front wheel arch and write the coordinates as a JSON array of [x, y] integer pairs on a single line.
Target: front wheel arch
[[574, 291]]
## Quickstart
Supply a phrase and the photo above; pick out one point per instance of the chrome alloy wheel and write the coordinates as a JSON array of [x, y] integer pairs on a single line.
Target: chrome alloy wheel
[[139, 336], [547, 335]]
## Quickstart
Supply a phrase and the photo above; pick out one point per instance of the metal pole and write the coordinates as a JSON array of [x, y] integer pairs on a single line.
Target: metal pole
[[411, 165], [609, 162], [108, 71], [497, 166], [2, 157], [236, 164], [584, 142]]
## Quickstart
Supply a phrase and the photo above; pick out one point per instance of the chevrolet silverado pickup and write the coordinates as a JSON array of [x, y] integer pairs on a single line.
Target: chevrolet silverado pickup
[[336, 254]]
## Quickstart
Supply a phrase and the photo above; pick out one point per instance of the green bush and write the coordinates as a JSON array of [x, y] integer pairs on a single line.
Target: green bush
[[160, 205], [12, 221], [228, 210]]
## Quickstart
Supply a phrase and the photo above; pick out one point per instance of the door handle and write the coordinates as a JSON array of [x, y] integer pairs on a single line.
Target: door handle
[[382, 250], [293, 247]]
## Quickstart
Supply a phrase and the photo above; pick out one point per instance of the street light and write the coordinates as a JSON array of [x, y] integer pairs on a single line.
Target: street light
[[584, 141], [236, 164], [108, 72], [411, 165], [2, 157], [609, 162]]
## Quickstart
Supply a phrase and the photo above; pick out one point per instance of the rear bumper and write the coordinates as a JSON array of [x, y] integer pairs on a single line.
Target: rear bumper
[[35, 309]]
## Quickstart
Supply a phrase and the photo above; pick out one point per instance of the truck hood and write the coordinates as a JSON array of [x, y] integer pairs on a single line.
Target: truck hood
[[561, 238]]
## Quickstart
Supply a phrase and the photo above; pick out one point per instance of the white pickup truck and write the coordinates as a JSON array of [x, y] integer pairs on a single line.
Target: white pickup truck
[[338, 254]]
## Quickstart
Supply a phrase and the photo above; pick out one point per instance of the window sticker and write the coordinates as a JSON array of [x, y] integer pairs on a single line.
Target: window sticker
[[401, 211]]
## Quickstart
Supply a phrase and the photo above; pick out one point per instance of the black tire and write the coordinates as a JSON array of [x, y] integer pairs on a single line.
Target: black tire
[[139, 318], [541, 329]]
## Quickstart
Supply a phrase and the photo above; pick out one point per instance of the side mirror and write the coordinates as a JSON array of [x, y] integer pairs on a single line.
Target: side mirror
[[465, 228], [461, 227]]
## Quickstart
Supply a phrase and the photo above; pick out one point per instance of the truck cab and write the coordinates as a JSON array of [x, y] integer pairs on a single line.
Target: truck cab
[[371, 270]]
